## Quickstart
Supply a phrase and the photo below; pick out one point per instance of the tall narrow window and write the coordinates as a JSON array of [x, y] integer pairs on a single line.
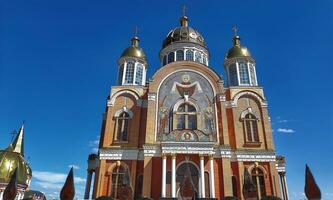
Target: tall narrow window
[[243, 73], [171, 57], [251, 128], [253, 75], [120, 75], [234, 186], [122, 127], [129, 76], [198, 57], [139, 74], [138, 187], [186, 117], [189, 55], [233, 74], [118, 174], [180, 55], [258, 179], [164, 60], [204, 59]]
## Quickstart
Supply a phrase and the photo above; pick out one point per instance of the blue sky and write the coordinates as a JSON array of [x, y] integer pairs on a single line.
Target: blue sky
[[58, 60]]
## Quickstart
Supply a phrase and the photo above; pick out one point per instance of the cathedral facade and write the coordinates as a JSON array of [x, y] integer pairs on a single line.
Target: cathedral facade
[[186, 132]]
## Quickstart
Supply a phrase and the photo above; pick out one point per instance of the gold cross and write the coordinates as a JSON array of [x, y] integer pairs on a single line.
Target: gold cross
[[235, 30], [184, 8], [136, 30]]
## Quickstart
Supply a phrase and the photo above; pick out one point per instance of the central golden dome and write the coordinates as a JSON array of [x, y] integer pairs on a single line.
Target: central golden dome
[[184, 33]]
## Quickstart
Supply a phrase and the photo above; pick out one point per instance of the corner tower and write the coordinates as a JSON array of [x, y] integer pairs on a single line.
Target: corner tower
[[239, 65], [132, 65]]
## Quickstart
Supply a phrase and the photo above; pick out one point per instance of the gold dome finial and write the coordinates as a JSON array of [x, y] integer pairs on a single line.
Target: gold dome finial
[[135, 40], [183, 19], [236, 39]]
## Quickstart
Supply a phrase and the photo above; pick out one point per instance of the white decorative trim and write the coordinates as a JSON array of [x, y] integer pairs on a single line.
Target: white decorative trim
[[111, 101], [151, 151], [152, 96], [124, 109], [182, 101], [233, 103], [221, 97], [118, 154], [249, 111], [188, 147], [254, 156]]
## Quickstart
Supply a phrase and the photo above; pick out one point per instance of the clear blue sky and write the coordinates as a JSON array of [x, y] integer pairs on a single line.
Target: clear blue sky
[[58, 60]]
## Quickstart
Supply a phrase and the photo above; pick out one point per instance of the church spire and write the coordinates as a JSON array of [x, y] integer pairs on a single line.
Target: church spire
[[17, 144]]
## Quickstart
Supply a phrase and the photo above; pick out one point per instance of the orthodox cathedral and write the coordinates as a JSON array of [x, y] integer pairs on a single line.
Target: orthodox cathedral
[[186, 133]]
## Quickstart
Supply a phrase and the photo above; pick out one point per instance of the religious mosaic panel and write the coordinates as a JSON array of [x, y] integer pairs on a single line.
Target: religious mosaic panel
[[186, 110]]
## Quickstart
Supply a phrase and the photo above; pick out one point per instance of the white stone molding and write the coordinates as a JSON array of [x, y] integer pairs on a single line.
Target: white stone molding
[[188, 147], [152, 96], [151, 151], [113, 98], [249, 111], [233, 103], [221, 97], [253, 156], [124, 109], [118, 154]]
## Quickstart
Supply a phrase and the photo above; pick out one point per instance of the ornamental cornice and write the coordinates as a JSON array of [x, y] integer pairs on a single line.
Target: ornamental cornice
[[188, 147], [152, 96], [118, 154]]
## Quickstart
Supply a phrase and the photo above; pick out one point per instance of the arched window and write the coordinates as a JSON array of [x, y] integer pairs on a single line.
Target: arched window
[[251, 128], [189, 55], [204, 59], [171, 57], [198, 57], [233, 75], [164, 60], [258, 179], [122, 127], [186, 117], [243, 73], [139, 74], [129, 76], [118, 179], [180, 55]]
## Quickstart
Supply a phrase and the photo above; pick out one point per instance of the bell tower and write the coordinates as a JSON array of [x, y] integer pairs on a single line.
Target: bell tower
[[240, 65], [132, 65]]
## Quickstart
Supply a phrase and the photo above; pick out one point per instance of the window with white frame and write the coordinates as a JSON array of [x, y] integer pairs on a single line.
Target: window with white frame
[[189, 55], [139, 74], [253, 75], [204, 59], [233, 74], [198, 57], [171, 57], [129, 76], [180, 55], [251, 128], [243, 73], [122, 127]]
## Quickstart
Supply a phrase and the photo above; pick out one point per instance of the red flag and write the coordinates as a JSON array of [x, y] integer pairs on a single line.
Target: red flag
[[68, 190], [11, 189], [311, 189]]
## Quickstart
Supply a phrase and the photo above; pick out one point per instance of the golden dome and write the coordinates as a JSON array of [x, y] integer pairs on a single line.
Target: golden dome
[[237, 50], [134, 50], [9, 161], [184, 33]]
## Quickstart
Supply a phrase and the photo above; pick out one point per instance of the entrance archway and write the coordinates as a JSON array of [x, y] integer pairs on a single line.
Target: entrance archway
[[187, 181]]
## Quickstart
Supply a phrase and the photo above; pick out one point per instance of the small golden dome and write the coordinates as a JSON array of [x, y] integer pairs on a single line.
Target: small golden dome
[[237, 50], [134, 50], [9, 161], [184, 33]]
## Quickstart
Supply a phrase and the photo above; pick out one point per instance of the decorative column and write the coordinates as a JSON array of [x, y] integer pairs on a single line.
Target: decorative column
[[88, 184], [283, 185], [173, 177], [202, 175], [211, 176], [164, 175]]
